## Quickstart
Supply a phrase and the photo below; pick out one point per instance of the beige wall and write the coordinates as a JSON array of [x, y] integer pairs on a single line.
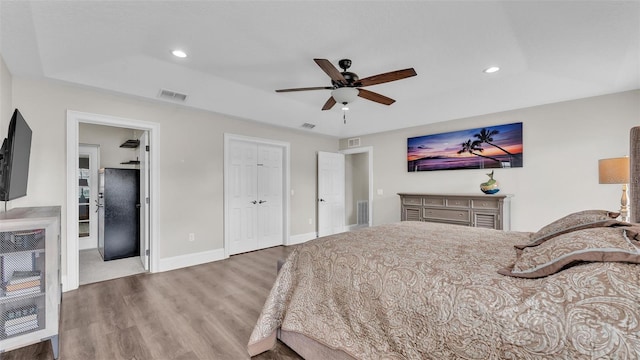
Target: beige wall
[[109, 139], [562, 145], [6, 108], [191, 159]]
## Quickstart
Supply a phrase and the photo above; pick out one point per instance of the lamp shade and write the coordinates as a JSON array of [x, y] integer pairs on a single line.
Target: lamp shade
[[345, 95], [614, 170]]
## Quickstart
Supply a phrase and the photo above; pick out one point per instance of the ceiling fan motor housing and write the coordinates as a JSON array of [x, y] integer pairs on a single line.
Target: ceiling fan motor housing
[[351, 80], [350, 77]]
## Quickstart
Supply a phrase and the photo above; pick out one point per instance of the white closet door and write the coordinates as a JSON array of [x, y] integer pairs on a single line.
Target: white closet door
[[331, 199], [243, 197], [255, 196], [270, 181]]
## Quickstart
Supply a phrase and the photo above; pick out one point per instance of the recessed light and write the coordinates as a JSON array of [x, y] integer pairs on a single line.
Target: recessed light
[[491, 69], [179, 53]]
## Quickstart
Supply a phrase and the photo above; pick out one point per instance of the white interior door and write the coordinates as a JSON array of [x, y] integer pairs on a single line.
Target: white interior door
[[269, 182], [143, 156], [331, 196], [243, 198]]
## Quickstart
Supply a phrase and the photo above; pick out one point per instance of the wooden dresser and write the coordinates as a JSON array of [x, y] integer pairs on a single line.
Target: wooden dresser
[[485, 211]]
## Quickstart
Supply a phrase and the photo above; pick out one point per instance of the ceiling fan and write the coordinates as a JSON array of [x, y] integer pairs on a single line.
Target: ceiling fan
[[346, 85]]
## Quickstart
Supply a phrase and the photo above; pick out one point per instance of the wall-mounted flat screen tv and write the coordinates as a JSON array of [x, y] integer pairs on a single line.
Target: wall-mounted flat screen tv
[[14, 162]]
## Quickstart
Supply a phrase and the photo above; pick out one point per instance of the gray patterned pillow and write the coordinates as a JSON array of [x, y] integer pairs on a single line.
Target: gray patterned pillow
[[579, 220], [605, 244]]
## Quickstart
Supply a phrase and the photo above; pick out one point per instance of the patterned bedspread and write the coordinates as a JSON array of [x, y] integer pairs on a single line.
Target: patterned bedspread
[[431, 291]]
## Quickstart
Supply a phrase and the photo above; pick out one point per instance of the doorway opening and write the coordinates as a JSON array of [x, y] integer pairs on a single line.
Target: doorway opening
[[149, 233], [357, 200], [345, 190]]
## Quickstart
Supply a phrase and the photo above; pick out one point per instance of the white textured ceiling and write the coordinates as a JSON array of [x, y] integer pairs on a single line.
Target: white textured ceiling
[[241, 51]]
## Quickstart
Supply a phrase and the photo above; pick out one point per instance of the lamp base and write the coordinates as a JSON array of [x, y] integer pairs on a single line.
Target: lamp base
[[624, 209]]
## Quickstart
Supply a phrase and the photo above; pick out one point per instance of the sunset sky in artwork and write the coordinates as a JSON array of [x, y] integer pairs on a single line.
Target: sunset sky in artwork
[[448, 144]]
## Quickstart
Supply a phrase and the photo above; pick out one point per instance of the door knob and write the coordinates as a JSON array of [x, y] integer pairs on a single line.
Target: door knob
[[254, 202], [262, 201], [320, 199]]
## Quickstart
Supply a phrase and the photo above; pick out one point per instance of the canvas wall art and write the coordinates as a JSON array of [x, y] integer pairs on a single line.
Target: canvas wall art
[[482, 148]]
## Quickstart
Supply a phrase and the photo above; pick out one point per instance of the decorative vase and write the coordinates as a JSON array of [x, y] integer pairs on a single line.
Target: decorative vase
[[491, 186]]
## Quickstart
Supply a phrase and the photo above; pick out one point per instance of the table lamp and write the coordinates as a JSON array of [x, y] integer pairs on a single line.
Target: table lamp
[[616, 171]]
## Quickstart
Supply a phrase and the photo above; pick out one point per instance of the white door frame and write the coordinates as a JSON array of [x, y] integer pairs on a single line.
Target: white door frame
[[143, 155], [93, 151], [286, 186], [368, 150], [74, 118]]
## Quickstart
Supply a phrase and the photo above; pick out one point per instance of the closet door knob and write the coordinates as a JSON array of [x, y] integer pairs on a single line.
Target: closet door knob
[[262, 201], [254, 202]]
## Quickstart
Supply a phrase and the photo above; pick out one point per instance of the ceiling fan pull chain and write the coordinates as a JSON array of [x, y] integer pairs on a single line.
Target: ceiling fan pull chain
[[344, 116]]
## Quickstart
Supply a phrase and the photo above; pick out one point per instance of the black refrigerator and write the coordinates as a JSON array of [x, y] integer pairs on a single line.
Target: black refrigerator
[[118, 213]]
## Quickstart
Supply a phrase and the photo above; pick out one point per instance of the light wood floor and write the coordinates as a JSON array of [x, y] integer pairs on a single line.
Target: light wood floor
[[203, 312]]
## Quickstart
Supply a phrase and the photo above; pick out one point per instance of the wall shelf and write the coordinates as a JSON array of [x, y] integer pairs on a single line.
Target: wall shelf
[[131, 144]]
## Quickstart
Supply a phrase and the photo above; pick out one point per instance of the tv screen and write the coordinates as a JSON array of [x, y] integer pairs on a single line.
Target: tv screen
[[14, 166]]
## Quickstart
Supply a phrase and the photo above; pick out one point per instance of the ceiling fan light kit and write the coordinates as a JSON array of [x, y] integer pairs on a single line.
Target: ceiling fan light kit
[[346, 86], [345, 95]]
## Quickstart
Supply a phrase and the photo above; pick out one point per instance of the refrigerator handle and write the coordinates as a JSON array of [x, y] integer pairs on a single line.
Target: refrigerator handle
[[98, 204]]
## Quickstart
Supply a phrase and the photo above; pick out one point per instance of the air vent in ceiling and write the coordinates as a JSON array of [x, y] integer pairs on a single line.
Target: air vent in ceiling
[[308, 126], [172, 95], [353, 142]]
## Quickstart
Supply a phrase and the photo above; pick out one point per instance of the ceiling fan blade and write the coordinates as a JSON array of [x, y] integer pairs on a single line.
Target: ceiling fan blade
[[329, 104], [370, 95], [386, 77], [307, 88], [331, 70]]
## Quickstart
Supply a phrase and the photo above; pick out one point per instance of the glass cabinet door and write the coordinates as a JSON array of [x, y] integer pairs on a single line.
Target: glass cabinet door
[[84, 196]]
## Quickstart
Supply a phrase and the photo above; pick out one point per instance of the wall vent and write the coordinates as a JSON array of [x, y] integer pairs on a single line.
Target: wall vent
[[353, 142], [172, 95], [363, 212], [308, 126]]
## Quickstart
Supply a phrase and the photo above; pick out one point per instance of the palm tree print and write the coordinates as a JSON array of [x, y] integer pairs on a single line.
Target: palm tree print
[[472, 146], [486, 136]]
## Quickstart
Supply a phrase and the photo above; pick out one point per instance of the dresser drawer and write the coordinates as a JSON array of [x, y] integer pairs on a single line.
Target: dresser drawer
[[485, 204], [464, 203], [446, 214], [412, 200], [434, 201]]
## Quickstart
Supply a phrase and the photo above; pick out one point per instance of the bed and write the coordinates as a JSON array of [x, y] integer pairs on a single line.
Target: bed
[[415, 290]]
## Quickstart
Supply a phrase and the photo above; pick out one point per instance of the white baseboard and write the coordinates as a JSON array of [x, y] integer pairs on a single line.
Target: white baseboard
[[301, 238], [181, 261]]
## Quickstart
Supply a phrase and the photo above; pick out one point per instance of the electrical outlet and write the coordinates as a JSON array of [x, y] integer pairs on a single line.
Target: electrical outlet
[[380, 192], [192, 237]]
